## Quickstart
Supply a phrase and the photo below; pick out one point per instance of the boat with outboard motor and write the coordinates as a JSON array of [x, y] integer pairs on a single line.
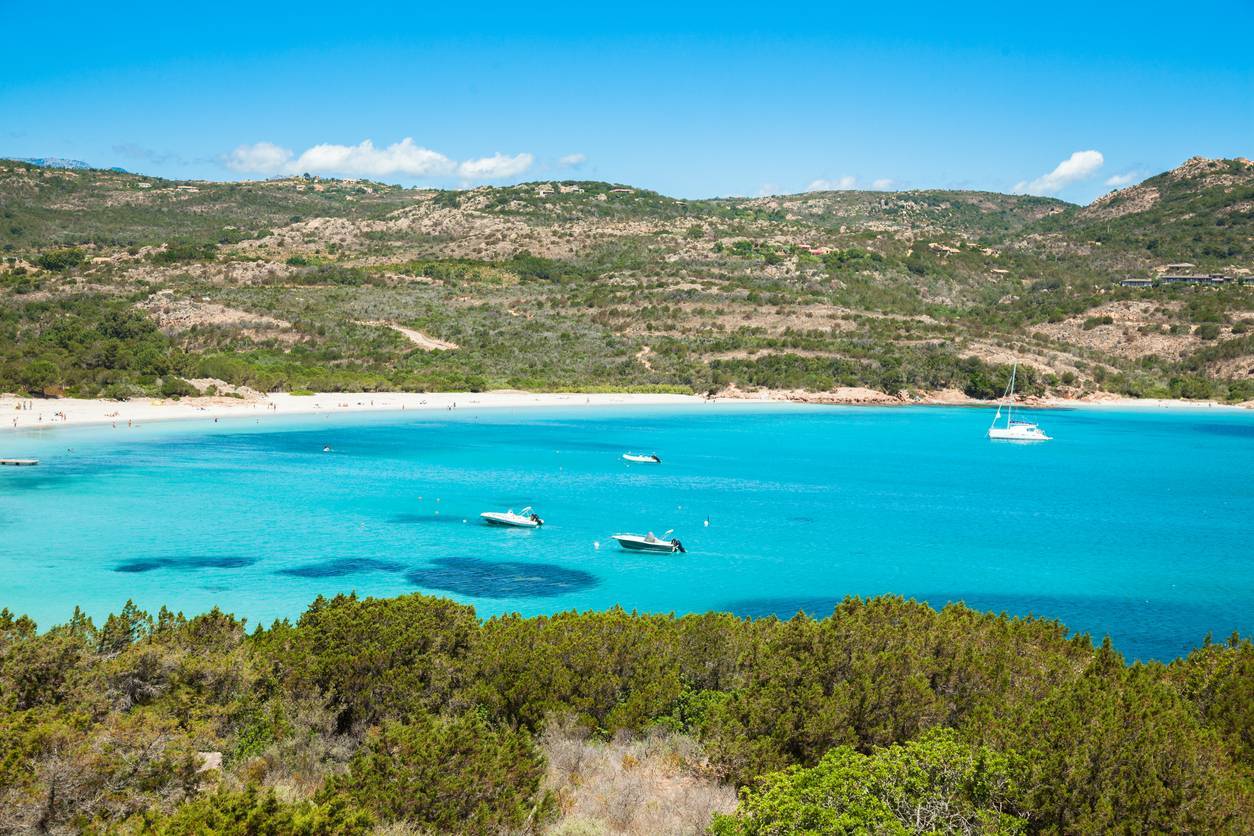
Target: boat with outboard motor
[[652, 458], [526, 519], [650, 542]]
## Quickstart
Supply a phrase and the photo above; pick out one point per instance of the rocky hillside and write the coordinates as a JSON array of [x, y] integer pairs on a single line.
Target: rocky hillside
[[120, 284]]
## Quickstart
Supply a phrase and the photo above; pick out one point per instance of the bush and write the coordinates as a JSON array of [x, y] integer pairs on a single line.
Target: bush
[[457, 775], [253, 811], [1094, 321], [937, 784], [61, 260], [181, 251], [177, 387]]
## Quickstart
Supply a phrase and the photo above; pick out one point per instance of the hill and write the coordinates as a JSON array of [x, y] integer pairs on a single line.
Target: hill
[[121, 284], [54, 162]]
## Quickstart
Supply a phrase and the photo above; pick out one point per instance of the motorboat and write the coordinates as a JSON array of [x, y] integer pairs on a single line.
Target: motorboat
[[650, 542], [1014, 430], [652, 458], [527, 518]]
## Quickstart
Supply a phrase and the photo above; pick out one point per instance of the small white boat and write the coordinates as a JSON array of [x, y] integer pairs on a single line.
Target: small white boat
[[650, 543], [526, 519], [652, 458], [1014, 430]]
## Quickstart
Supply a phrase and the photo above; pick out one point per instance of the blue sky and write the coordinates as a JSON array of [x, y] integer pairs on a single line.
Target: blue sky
[[691, 100]]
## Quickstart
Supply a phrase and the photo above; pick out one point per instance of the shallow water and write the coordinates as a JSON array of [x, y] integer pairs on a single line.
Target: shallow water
[[1136, 524]]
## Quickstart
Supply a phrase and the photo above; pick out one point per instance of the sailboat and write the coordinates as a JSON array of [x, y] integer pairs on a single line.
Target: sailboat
[[1014, 430]]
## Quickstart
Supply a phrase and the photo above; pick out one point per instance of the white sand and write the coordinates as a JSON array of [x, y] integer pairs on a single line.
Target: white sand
[[70, 411]]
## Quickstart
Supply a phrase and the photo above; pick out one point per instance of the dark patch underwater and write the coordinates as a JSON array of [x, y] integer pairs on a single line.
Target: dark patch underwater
[[183, 562], [341, 567], [500, 579]]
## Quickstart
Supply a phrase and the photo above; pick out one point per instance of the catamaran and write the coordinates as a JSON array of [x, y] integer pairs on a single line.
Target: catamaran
[[650, 542], [1014, 430], [651, 458], [526, 519]]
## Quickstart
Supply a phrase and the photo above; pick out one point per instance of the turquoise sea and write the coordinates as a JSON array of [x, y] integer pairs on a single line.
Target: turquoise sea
[[1137, 524]]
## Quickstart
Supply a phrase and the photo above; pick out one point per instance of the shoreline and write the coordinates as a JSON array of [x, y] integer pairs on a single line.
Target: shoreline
[[858, 396], [65, 412], [51, 413]]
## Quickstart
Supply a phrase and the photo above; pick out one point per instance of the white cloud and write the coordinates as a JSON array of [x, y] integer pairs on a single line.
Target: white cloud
[[572, 160], [1125, 179], [1081, 165], [259, 158], [494, 167], [821, 185], [883, 184], [404, 158], [364, 160]]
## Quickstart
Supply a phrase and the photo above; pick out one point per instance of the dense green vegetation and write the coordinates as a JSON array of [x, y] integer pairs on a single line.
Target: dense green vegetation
[[886, 716], [302, 283], [1210, 227]]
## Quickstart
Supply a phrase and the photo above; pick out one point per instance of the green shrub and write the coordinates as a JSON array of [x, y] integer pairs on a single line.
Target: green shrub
[[446, 775], [177, 387], [251, 812], [181, 251], [1094, 321], [937, 784], [61, 260]]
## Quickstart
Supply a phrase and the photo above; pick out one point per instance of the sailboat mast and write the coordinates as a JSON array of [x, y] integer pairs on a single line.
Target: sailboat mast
[[1010, 407]]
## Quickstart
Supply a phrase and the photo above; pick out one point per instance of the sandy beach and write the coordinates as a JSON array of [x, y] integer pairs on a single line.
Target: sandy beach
[[36, 413], [39, 413]]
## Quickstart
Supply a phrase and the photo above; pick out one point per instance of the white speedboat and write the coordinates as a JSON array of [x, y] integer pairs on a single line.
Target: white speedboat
[[652, 458], [526, 519], [650, 542], [1014, 430]]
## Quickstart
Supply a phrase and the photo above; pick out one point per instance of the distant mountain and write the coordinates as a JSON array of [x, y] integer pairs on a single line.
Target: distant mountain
[[54, 162]]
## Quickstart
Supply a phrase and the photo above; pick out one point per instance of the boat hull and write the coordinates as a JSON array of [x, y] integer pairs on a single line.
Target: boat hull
[[641, 545], [502, 520], [1017, 434]]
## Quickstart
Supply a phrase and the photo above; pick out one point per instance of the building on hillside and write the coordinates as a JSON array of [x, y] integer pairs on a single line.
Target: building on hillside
[[1137, 283], [1189, 278]]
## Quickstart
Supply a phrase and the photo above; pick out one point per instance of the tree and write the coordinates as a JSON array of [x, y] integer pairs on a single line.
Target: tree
[[38, 374]]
